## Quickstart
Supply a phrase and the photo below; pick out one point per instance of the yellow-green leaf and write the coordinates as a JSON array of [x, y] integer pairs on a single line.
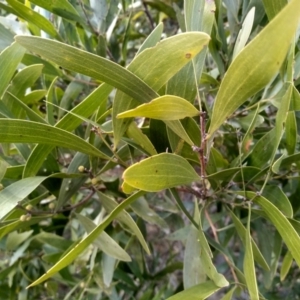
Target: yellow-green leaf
[[256, 65], [166, 107], [160, 172], [249, 267], [84, 243], [282, 224], [197, 292]]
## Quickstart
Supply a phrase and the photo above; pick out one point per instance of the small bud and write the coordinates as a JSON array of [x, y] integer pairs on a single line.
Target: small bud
[[82, 285], [28, 217], [94, 181], [81, 169], [1, 187], [29, 207], [51, 205], [23, 218]]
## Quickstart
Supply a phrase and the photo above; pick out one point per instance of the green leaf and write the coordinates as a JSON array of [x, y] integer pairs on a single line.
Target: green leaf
[[153, 38], [199, 16], [35, 18], [242, 232], [249, 73], [124, 217], [197, 292], [16, 192], [9, 61], [166, 107], [206, 260], [11, 195], [286, 265], [229, 294], [244, 33], [84, 243], [21, 131], [156, 66], [140, 138], [89, 64], [193, 272], [272, 8], [278, 219], [291, 132], [177, 127], [160, 172], [275, 194], [61, 8], [33, 116], [104, 242], [142, 209], [68, 122], [249, 267]]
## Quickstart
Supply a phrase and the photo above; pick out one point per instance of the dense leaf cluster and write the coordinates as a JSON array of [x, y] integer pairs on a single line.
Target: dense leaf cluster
[[149, 149]]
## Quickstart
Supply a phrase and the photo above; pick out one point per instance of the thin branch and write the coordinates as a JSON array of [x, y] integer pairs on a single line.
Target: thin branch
[[148, 15]]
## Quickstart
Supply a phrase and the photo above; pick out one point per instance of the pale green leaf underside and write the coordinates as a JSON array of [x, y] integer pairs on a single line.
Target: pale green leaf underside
[[160, 172]]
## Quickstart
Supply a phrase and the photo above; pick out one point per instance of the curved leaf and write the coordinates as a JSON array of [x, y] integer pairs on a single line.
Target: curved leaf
[[9, 60], [104, 242], [83, 244], [156, 66], [22, 131], [166, 107], [197, 292], [160, 172], [278, 219], [256, 65], [89, 64]]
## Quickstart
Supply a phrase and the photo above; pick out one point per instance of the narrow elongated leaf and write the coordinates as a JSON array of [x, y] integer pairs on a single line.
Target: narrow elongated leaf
[[242, 232], [166, 107], [62, 8], [197, 292], [33, 17], [153, 38], [272, 8], [83, 244], [160, 172], [249, 73], [125, 218], [21, 131], [104, 242], [68, 122], [193, 272], [206, 260], [278, 219], [143, 141], [291, 132], [178, 128], [156, 66], [249, 267], [9, 60], [89, 64], [244, 33], [19, 190], [16, 192], [286, 265]]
